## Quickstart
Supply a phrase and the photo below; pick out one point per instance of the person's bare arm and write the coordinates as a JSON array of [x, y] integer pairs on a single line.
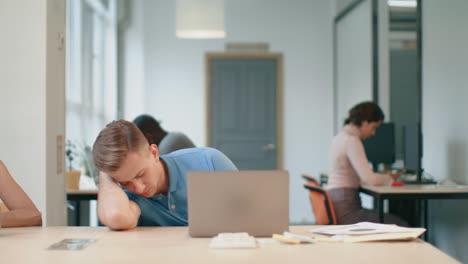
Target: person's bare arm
[[357, 156], [394, 176], [21, 210], [115, 210]]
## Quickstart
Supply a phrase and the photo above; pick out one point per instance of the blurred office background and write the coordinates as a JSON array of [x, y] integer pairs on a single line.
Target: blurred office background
[[123, 58]]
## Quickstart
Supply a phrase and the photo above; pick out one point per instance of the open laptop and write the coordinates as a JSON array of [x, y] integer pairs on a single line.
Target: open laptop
[[256, 202]]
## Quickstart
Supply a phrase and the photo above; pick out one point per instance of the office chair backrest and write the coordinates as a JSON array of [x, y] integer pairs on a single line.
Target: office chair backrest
[[321, 202]]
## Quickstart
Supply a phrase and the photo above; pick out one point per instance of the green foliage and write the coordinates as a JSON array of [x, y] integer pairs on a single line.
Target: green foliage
[[71, 152], [80, 156]]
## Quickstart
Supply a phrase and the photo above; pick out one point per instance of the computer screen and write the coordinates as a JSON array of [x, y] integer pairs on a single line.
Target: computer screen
[[412, 148], [381, 147]]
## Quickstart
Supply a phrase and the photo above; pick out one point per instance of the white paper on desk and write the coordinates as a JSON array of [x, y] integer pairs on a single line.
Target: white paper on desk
[[362, 228]]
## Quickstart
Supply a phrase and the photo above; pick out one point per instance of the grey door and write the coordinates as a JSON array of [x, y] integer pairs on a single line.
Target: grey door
[[244, 110]]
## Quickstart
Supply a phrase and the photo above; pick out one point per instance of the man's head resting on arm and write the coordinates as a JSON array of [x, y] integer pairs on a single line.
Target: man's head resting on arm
[[122, 151]]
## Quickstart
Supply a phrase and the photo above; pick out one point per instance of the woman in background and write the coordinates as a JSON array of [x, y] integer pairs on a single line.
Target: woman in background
[[350, 167], [18, 209]]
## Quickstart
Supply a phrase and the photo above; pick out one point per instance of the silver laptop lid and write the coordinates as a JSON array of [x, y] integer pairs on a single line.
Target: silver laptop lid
[[256, 202]]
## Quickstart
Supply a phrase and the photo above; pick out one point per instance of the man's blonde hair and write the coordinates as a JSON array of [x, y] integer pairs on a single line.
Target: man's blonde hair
[[114, 142]]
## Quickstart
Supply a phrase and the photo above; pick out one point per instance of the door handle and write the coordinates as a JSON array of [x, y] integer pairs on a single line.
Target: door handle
[[269, 147]]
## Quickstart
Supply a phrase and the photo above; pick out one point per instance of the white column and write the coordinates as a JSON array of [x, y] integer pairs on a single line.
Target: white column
[[32, 102]]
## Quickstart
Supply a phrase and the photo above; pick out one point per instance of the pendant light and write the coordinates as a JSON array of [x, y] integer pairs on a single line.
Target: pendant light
[[200, 19]]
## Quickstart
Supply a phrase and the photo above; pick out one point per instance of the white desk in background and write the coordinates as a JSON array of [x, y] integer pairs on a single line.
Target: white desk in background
[[418, 192], [173, 245]]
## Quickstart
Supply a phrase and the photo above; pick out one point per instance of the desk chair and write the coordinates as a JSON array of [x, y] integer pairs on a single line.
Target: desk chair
[[321, 202]]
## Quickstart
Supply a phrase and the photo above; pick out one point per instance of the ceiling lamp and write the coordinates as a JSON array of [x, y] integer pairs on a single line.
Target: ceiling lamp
[[402, 3], [200, 19]]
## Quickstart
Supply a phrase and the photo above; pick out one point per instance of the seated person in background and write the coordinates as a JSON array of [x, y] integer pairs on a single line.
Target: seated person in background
[[18, 209], [137, 186], [350, 167], [167, 142]]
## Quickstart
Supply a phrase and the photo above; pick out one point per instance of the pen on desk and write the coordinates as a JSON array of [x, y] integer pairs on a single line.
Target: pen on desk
[[302, 238], [284, 239]]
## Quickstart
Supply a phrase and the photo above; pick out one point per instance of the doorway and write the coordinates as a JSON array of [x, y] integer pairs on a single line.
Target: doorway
[[244, 101]]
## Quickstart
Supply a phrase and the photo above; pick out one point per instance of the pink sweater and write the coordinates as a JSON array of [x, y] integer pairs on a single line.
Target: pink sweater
[[349, 165]]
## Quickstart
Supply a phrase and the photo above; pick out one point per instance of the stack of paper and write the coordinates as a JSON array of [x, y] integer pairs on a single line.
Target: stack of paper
[[366, 231]]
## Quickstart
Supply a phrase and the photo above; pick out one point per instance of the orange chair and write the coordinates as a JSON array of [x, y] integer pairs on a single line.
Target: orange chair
[[321, 202]]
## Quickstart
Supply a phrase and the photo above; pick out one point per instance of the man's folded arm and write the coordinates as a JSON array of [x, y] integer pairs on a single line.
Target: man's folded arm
[[115, 210]]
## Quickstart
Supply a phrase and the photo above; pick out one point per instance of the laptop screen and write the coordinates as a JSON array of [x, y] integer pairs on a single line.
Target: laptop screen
[[256, 202]]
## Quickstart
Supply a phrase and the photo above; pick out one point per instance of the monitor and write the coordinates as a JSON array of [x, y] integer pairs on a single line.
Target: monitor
[[381, 147], [412, 148]]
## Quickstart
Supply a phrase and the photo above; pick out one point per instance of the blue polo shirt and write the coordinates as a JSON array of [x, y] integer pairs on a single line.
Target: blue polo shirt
[[171, 210]]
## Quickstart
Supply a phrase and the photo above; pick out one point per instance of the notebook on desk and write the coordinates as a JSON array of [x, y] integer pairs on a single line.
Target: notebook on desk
[[256, 202]]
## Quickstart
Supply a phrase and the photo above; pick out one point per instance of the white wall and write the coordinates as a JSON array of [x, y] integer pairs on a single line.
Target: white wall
[[355, 57], [384, 60], [354, 72], [340, 5], [301, 30], [32, 101], [445, 123], [132, 57]]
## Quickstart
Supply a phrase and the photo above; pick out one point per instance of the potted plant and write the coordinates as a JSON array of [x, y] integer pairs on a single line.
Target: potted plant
[[88, 167], [73, 175]]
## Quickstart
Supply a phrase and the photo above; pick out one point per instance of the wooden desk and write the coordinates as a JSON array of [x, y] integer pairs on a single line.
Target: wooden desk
[[422, 192], [173, 245], [78, 196]]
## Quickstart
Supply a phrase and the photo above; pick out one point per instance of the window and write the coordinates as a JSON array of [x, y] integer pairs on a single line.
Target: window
[[91, 95]]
